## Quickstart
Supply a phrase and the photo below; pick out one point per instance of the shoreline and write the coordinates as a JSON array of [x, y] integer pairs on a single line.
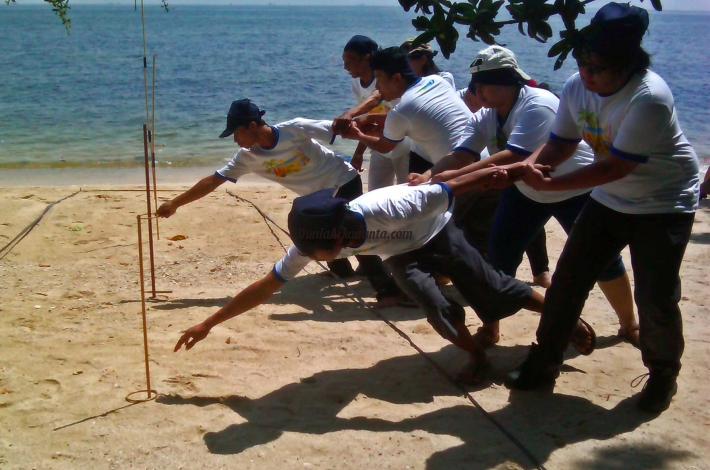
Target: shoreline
[[114, 177]]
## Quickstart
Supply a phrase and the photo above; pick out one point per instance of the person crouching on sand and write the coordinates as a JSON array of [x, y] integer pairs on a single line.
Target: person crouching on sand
[[412, 228]]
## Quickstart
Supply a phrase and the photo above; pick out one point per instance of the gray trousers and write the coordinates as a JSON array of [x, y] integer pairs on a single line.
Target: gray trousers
[[492, 294]]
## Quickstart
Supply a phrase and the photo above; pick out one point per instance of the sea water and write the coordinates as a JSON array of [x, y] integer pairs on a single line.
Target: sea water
[[78, 99]]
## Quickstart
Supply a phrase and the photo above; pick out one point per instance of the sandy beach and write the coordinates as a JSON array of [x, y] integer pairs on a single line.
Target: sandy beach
[[309, 380]]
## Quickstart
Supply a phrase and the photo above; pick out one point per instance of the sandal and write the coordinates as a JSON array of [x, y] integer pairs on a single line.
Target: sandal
[[583, 334], [630, 335]]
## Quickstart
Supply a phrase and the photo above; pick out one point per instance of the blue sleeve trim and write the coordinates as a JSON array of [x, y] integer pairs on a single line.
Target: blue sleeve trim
[[449, 193], [332, 139], [394, 141], [277, 134], [220, 175], [632, 157], [554, 136], [278, 276], [518, 150], [467, 150], [364, 223]]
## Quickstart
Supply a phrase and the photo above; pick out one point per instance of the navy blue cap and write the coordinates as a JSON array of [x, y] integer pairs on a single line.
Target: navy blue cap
[[241, 112], [616, 25], [315, 220], [361, 45]]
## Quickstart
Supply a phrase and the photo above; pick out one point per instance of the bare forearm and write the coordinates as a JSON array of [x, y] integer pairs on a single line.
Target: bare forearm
[[255, 294], [363, 108], [454, 161], [473, 181], [596, 174], [501, 158], [553, 153], [199, 190]]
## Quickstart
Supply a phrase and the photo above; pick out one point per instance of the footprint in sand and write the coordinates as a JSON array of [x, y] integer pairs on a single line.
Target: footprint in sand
[[47, 388], [182, 381]]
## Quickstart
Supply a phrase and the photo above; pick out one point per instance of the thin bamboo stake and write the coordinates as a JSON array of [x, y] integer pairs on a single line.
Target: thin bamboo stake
[[152, 149], [149, 211], [145, 326]]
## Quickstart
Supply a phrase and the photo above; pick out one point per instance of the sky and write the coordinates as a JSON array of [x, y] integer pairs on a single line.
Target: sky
[[682, 5]]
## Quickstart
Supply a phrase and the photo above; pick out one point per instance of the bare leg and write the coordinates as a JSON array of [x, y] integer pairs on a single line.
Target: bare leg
[[618, 293], [489, 333]]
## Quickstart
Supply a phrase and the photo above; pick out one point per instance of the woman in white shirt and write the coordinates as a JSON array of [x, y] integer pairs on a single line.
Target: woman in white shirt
[[645, 180]]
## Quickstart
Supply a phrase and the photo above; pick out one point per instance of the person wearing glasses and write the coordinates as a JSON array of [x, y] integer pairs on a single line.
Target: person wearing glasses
[[514, 121], [645, 186]]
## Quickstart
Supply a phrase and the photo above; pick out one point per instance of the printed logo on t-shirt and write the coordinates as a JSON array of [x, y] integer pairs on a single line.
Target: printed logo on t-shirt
[[426, 86], [593, 134], [283, 168]]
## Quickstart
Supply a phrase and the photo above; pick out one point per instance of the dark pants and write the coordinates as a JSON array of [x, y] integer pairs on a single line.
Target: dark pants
[[371, 265], [657, 243], [474, 213], [517, 221], [492, 294]]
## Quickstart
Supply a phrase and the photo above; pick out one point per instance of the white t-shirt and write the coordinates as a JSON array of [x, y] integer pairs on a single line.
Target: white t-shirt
[[398, 219], [637, 123], [362, 93], [297, 161], [527, 127], [431, 113], [448, 76]]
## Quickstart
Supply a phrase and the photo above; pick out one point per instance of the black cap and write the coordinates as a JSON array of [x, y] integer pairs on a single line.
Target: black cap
[[241, 112], [315, 220], [616, 25]]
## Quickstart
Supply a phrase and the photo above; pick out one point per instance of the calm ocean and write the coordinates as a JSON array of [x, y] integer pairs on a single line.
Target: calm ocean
[[77, 100]]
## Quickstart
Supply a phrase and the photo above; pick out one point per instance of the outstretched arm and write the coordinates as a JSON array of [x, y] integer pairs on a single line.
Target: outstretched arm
[[199, 190], [253, 295]]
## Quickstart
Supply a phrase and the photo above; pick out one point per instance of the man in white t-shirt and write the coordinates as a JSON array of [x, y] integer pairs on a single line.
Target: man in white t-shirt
[[288, 153], [383, 169], [411, 228]]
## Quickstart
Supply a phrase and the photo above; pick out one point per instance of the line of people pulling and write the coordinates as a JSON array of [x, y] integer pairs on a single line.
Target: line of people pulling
[[472, 191]]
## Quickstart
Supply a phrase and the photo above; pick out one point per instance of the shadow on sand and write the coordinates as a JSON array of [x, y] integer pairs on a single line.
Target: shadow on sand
[[544, 422]]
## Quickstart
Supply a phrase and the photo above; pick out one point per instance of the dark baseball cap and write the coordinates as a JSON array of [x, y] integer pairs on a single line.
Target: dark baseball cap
[[616, 25], [241, 113], [314, 220]]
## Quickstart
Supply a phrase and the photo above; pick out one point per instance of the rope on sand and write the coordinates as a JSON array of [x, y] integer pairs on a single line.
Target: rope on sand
[[360, 301], [5, 250]]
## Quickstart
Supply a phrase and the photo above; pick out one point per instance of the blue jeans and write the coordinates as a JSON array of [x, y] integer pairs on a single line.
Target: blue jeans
[[517, 221]]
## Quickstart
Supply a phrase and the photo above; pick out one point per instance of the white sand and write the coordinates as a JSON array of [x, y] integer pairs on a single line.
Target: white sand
[[309, 380]]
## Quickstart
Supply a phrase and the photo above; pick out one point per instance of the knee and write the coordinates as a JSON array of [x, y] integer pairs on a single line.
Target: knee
[[615, 270]]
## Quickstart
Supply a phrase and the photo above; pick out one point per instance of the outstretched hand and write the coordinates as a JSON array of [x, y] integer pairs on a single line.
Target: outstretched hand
[[191, 336], [166, 209], [415, 179]]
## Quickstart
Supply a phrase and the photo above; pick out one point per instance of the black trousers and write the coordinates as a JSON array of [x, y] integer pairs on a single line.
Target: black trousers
[[474, 213], [657, 243], [371, 265], [492, 294]]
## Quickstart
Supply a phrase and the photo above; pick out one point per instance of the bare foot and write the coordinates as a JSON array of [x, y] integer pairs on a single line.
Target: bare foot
[[543, 279], [487, 335]]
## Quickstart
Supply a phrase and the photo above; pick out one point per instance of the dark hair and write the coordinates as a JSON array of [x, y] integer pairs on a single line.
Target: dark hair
[[393, 60], [361, 45], [634, 59]]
